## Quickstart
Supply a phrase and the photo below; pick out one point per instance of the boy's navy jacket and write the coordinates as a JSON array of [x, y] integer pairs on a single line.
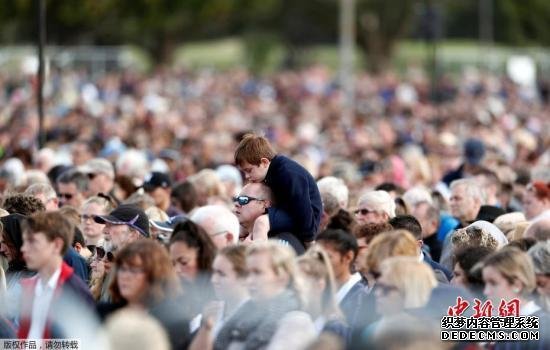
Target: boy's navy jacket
[[296, 196]]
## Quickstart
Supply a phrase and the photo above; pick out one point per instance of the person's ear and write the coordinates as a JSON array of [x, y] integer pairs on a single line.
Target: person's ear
[[58, 244], [264, 162], [348, 257], [78, 247], [420, 243]]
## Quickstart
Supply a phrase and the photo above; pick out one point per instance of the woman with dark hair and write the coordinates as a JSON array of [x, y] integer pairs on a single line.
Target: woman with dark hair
[[192, 252], [465, 271], [11, 240], [144, 279]]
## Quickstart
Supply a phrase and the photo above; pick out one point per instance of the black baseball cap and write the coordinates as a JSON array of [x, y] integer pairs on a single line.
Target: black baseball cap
[[156, 179], [129, 215]]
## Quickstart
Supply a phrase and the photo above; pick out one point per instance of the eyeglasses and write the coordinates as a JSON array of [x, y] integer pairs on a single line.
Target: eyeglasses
[[244, 200], [384, 288], [100, 253], [68, 196], [363, 211]]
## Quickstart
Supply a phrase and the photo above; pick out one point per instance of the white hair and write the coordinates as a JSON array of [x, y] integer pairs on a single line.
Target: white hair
[[133, 163], [336, 187], [471, 188], [41, 188], [416, 195], [380, 201], [217, 218]]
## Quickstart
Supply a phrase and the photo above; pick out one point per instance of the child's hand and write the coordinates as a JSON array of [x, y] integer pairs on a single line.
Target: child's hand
[[261, 228]]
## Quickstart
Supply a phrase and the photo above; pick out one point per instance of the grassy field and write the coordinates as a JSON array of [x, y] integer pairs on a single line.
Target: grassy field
[[452, 55]]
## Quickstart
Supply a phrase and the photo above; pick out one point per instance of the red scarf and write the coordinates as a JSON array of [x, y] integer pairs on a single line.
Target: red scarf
[[28, 285]]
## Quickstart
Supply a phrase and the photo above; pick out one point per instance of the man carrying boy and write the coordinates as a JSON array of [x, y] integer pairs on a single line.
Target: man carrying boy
[[298, 205], [46, 238]]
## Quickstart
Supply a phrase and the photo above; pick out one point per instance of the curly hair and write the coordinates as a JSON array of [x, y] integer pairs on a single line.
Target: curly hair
[[473, 236], [22, 204], [152, 257]]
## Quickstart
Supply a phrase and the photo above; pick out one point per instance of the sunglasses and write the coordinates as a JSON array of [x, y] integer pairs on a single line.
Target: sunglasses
[[363, 211], [100, 253], [244, 200], [68, 196]]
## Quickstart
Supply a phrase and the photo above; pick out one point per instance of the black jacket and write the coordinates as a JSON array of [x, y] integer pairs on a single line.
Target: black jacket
[[296, 195]]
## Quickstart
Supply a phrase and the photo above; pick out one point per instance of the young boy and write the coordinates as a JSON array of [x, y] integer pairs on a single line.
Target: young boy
[[46, 238], [298, 204]]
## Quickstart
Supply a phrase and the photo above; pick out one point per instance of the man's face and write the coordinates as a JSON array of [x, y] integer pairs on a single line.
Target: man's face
[[51, 204], [117, 236], [161, 196], [68, 195], [420, 212], [463, 207], [37, 250], [99, 182], [255, 173], [247, 213]]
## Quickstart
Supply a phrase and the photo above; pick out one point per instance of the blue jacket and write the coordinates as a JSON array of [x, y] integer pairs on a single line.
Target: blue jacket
[[296, 196]]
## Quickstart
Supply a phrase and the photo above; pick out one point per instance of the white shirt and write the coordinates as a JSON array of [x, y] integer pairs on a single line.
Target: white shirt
[[344, 290], [43, 294]]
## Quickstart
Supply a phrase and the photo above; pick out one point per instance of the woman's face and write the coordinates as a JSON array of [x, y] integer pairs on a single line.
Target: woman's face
[[459, 276], [263, 283], [184, 259], [532, 206], [225, 280], [132, 281], [90, 228], [497, 287], [389, 300]]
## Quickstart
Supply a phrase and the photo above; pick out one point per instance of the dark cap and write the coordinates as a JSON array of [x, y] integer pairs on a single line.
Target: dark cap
[[474, 150], [129, 215], [156, 179]]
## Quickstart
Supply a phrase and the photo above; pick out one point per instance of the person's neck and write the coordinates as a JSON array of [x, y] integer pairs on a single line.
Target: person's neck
[[248, 226], [47, 271], [343, 279]]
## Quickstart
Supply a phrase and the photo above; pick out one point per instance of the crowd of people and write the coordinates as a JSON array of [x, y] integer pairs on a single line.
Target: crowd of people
[[152, 218]]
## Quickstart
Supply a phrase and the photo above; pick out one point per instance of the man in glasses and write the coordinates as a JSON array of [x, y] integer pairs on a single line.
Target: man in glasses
[[101, 173], [375, 207], [72, 188], [124, 225], [254, 201], [295, 192]]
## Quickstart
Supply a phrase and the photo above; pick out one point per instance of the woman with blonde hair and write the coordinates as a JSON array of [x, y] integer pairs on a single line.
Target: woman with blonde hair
[[403, 288], [276, 319], [210, 188], [509, 274], [321, 292], [93, 232]]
